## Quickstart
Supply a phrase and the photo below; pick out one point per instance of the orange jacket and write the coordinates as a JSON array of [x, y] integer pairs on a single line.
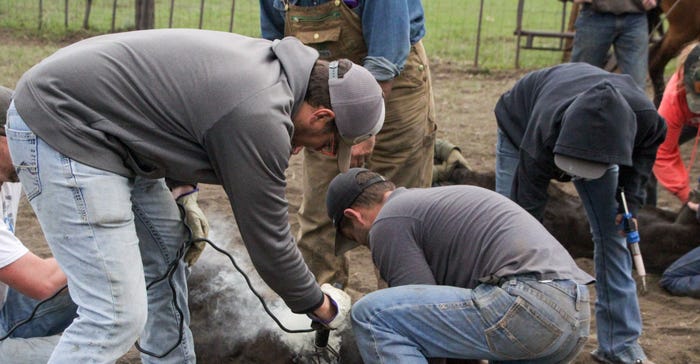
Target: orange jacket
[[669, 168]]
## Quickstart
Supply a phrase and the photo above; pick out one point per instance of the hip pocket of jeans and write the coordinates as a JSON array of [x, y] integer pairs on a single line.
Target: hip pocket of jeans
[[522, 332], [23, 150]]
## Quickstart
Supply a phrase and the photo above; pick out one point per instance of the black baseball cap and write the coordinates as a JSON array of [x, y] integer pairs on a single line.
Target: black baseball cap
[[342, 193]]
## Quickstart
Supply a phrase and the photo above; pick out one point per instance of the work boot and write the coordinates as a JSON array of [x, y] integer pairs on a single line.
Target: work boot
[[601, 357]]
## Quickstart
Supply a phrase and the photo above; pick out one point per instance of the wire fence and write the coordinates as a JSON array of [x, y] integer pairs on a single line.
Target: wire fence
[[472, 33]]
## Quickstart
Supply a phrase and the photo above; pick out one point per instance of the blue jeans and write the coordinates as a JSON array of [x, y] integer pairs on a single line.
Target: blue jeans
[[521, 320], [112, 236], [627, 33], [507, 159], [618, 318], [33, 342], [682, 278]]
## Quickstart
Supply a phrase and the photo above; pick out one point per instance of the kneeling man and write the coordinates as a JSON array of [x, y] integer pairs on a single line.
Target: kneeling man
[[471, 274]]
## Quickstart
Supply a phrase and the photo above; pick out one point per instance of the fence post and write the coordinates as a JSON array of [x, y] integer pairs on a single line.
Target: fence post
[[145, 14]]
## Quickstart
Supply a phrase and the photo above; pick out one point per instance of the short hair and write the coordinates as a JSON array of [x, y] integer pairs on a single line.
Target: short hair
[[371, 195], [317, 93]]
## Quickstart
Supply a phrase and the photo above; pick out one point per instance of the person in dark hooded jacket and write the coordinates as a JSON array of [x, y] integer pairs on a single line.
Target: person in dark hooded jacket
[[575, 122]]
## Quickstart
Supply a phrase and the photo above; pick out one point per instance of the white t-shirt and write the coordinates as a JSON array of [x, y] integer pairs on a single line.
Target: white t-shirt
[[11, 248]]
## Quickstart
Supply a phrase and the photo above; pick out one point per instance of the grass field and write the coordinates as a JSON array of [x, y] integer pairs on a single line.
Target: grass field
[[452, 24]]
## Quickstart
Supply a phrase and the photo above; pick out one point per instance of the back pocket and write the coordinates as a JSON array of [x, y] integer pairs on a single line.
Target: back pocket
[[522, 333]]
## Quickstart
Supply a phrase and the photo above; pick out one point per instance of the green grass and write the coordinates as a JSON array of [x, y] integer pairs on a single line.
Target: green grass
[[451, 27]]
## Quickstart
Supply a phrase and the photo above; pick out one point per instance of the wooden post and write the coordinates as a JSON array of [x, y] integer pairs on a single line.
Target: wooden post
[[145, 14], [233, 11], [201, 13], [41, 13], [86, 19], [114, 14]]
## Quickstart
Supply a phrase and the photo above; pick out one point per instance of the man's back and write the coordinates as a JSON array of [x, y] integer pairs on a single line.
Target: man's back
[[457, 235]]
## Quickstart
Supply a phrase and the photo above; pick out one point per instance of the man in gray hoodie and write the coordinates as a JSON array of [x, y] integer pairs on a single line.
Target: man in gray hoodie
[[576, 122], [96, 128]]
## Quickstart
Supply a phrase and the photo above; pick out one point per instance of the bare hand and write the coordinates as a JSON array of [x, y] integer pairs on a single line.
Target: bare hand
[[649, 4], [693, 206], [359, 153]]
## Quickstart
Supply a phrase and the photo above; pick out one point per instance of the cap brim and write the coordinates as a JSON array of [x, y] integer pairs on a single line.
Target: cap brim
[[343, 155], [580, 167], [343, 244]]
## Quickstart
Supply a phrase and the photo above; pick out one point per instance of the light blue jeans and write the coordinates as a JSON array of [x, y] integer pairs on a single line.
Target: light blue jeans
[[627, 33], [618, 319], [522, 320], [682, 278], [33, 341], [112, 236]]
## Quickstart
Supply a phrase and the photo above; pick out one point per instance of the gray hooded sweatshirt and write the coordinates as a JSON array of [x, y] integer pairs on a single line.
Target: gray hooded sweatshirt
[[191, 106]]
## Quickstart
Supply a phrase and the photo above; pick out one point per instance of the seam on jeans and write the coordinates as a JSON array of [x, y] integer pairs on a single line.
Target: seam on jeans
[[603, 259], [79, 199]]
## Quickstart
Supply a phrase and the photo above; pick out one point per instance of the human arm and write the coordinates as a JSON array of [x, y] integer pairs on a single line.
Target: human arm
[[530, 184], [249, 150], [651, 131], [669, 168], [33, 276], [271, 19], [389, 29]]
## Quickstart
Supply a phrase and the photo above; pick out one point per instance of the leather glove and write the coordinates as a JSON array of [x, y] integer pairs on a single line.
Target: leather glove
[[198, 224], [342, 303], [455, 159]]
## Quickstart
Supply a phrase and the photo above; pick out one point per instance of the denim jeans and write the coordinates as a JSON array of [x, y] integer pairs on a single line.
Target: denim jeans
[[522, 319], [507, 159], [113, 236], [618, 318], [33, 341], [682, 278], [627, 33]]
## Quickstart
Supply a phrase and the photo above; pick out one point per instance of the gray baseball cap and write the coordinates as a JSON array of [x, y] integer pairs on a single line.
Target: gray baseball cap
[[691, 79], [342, 193], [5, 98], [358, 104]]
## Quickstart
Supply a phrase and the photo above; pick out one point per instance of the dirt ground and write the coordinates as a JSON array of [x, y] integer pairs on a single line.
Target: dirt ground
[[464, 103]]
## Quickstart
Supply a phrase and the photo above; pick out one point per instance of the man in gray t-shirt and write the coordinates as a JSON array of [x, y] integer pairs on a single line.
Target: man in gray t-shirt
[[472, 275]]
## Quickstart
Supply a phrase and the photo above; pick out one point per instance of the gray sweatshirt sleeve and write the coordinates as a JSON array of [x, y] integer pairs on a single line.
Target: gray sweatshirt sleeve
[[250, 155]]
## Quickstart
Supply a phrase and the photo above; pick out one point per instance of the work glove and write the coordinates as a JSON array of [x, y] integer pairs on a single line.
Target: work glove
[[442, 171], [198, 224], [342, 303]]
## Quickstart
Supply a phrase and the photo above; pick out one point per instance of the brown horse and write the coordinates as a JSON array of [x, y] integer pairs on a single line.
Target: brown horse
[[683, 27]]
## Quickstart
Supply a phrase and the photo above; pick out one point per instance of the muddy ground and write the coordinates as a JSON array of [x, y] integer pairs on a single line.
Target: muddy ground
[[228, 315]]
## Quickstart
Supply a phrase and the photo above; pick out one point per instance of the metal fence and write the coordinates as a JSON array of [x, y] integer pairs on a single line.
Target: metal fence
[[472, 33]]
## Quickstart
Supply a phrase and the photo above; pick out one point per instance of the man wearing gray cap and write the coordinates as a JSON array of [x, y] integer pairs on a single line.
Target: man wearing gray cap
[[95, 128], [471, 274], [576, 122]]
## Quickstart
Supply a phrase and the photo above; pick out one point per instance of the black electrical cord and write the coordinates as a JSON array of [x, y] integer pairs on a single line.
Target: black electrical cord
[[169, 275], [31, 316], [171, 270]]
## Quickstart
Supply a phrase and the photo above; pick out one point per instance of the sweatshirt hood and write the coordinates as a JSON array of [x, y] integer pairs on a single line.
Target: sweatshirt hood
[[297, 61], [599, 126]]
